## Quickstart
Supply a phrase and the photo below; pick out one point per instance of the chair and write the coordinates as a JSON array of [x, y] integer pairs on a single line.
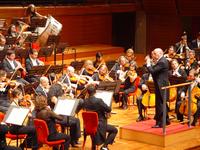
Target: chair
[[12, 136], [43, 133], [90, 124]]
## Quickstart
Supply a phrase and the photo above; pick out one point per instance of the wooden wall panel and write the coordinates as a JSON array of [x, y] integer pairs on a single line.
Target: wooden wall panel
[[162, 31]]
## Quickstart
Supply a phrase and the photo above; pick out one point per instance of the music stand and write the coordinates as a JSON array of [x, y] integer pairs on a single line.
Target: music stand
[[57, 69], [53, 40], [176, 80], [38, 70], [38, 22], [77, 65], [10, 40], [109, 86], [61, 49], [66, 107], [106, 96], [45, 52]]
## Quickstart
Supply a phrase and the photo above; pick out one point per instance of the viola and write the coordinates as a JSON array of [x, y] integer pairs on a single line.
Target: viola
[[26, 101], [105, 78], [91, 71]]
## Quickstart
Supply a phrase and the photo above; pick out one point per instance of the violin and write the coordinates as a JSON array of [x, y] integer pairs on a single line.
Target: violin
[[91, 71], [105, 77], [26, 101]]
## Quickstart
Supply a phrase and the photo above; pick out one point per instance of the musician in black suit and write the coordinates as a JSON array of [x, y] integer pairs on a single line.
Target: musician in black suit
[[10, 65], [177, 71], [97, 105], [3, 146], [195, 43], [31, 61], [159, 73], [43, 87]]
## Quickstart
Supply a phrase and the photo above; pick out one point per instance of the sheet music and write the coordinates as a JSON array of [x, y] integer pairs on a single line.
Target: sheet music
[[106, 96], [65, 107], [16, 115]]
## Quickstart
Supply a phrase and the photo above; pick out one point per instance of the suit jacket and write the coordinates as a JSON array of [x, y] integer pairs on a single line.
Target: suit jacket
[[194, 44], [40, 90], [7, 67], [97, 105], [160, 73], [29, 64]]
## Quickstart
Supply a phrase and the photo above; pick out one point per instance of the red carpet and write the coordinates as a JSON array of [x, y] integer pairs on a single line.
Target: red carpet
[[146, 126]]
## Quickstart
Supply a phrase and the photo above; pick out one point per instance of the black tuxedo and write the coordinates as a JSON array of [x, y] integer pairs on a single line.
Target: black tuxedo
[[29, 65], [160, 76], [97, 105], [194, 44], [7, 67]]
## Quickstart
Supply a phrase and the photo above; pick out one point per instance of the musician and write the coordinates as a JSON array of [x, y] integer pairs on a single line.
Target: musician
[[97, 105], [178, 72], [130, 55], [4, 102], [10, 65], [3, 42], [182, 46], [44, 112], [99, 60], [191, 62], [88, 68], [102, 75], [159, 73], [12, 31], [31, 12], [31, 139], [122, 64], [129, 86], [43, 87], [31, 61], [170, 53], [3, 145], [56, 91], [196, 43]]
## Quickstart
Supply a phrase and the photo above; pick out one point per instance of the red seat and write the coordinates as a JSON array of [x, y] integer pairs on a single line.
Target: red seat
[[12, 136], [43, 133], [90, 124]]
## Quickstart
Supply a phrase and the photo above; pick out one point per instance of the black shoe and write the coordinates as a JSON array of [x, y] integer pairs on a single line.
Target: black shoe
[[104, 148], [140, 119], [157, 126], [124, 107], [73, 144]]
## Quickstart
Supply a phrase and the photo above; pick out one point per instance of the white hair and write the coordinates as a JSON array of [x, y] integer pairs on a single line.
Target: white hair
[[70, 69], [44, 79], [158, 51]]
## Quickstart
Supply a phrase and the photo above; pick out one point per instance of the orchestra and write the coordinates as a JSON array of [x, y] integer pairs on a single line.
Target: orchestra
[[177, 60]]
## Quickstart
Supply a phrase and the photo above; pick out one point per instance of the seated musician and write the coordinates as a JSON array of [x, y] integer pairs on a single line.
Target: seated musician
[[99, 60], [129, 86], [31, 12], [3, 43], [31, 61], [170, 53], [10, 65], [12, 32], [43, 87], [55, 91], [4, 86], [102, 75], [191, 62], [44, 112], [195, 43], [121, 66], [88, 68], [178, 72], [97, 105], [182, 46], [3, 145], [31, 139], [130, 55]]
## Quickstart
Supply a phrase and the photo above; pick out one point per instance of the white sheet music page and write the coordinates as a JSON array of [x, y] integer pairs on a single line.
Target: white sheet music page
[[17, 116], [64, 107], [106, 96]]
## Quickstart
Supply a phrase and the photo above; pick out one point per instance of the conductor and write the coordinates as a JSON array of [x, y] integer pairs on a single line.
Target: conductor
[[159, 73]]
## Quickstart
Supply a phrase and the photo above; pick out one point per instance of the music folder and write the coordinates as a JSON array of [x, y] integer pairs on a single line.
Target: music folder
[[106, 96], [16, 115], [66, 107], [55, 69]]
